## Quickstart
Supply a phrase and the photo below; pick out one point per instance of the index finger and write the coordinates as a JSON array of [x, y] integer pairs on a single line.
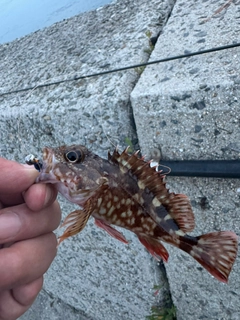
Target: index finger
[[15, 177]]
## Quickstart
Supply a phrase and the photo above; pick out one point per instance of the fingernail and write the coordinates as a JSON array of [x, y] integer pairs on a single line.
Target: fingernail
[[10, 225], [49, 196]]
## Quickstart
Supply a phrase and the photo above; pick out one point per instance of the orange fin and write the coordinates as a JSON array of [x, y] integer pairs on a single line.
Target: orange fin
[[215, 251], [110, 230], [76, 221], [181, 211], [154, 247]]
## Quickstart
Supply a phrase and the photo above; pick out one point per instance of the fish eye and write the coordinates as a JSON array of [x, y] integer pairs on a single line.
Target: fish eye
[[74, 156]]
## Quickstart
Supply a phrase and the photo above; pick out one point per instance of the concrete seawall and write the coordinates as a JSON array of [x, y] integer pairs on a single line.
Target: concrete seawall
[[187, 108]]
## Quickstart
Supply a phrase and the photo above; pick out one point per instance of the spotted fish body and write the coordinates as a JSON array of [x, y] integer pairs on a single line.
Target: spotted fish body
[[125, 191]]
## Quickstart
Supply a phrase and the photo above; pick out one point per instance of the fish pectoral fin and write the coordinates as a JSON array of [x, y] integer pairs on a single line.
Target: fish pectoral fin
[[76, 222], [154, 247], [111, 231]]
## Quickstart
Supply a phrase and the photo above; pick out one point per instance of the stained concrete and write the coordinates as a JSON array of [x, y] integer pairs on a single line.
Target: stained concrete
[[189, 109], [93, 275]]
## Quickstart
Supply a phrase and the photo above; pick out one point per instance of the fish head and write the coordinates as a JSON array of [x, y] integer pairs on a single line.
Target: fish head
[[75, 171]]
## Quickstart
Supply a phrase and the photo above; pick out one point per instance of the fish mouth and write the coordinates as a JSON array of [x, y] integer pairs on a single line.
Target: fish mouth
[[47, 157], [48, 163]]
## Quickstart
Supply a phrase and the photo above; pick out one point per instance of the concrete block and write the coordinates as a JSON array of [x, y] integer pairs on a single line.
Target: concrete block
[[195, 293], [47, 306], [189, 109], [190, 106], [94, 274]]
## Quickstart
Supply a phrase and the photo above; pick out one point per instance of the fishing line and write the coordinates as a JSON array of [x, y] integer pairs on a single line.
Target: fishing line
[[96, 74], [144, 64], [20, 118]]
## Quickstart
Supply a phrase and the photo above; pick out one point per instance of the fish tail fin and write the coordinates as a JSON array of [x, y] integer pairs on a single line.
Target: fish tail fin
[[215, 251]]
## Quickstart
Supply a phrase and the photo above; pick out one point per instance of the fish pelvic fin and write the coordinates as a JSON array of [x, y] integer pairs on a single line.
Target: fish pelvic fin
[[110, 230], [156, 249], [215, 251]]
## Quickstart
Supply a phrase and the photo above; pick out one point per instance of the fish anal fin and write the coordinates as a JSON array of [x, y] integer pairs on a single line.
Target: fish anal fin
[[180, 210], [156, 249], [111, 231]]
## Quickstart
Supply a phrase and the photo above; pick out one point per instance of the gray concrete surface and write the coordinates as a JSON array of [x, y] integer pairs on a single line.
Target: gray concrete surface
[[189, 109], [48, 306], [93, 275], [196, 294]]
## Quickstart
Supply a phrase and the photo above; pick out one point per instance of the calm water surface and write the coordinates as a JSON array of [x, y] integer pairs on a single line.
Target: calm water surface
[[21, 17]]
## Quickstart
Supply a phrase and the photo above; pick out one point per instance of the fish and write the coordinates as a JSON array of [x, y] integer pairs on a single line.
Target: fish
[[125, 191]]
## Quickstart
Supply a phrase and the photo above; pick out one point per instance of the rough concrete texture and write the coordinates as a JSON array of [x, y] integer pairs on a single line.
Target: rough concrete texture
[[189, 109], [195, 293], [191, 106], [48, 306], [98, 277]]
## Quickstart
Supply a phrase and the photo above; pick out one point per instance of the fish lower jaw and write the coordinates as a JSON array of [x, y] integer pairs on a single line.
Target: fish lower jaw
[[46, 178], [76, 198]]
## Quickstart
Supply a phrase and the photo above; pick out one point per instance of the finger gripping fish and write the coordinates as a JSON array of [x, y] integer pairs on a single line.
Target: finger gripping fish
[[125, 191]]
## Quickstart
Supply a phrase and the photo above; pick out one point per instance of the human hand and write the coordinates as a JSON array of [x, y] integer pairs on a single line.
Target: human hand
[[28, 215]]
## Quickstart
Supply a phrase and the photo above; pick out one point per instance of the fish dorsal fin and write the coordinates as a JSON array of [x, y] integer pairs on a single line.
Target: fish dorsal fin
[[147, 177], [181, 211], [153, 188]]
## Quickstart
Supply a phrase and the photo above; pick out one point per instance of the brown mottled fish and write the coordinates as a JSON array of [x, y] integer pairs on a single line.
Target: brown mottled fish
[[125, 191]]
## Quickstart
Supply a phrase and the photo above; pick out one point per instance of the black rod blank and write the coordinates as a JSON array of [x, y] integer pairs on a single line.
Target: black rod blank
[[202, 168]]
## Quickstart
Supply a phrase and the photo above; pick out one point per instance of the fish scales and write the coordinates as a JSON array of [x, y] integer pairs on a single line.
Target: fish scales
[[126, 192]]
